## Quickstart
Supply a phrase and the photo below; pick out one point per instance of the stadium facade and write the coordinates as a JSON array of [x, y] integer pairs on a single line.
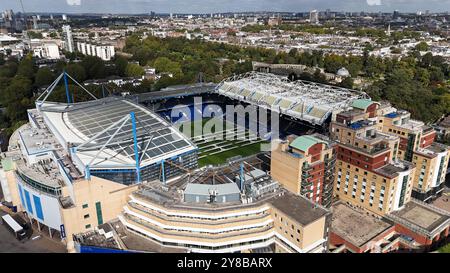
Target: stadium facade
[[73, 165]]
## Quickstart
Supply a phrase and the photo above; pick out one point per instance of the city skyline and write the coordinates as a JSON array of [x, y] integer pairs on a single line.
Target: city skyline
[[212, 6]]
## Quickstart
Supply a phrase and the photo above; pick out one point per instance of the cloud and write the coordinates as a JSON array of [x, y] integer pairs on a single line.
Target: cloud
[[220, 6], [374, 2], [73, 2]]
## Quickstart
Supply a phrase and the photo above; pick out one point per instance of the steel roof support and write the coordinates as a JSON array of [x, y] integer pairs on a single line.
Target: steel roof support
[[66, 86], [136, 151], [52, 86]]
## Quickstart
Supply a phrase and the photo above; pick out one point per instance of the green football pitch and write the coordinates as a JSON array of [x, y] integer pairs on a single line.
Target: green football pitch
[[217, 142]]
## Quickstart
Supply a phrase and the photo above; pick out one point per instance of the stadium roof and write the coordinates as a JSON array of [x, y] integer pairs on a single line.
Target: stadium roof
[[88, 126], [307, 101]]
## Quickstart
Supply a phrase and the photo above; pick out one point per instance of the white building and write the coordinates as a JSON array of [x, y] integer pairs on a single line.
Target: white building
[[104, 52], [68, 39], [314, 17], [46, 51]]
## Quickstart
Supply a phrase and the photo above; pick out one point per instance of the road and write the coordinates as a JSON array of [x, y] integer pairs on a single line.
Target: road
[[9, 244]]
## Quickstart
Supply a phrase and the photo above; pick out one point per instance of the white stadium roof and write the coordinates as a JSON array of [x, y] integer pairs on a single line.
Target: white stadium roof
[[304, 100], [87, 127]]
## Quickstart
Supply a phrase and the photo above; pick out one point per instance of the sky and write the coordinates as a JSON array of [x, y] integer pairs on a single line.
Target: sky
[[217, 6]]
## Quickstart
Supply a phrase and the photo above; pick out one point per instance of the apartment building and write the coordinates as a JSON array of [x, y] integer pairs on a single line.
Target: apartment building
[[417, 146], [369, 173], [104, 52], [305, 165]]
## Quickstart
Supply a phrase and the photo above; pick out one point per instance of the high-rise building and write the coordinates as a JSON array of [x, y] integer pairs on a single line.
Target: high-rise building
[[314, 17], [396, 14], [68, 39], [35, 22], [305, 165]]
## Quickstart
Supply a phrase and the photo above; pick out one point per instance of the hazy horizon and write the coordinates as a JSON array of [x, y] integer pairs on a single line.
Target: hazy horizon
[[215, 6]]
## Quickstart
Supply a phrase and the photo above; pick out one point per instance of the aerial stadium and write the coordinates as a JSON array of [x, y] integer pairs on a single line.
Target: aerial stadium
[[75, 166]]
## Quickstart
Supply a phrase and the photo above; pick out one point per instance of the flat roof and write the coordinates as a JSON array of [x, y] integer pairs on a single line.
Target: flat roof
[[393, 169], [422, 215], [205, 189], [443, 202], [36, 140], [354, 226], [299, 208]]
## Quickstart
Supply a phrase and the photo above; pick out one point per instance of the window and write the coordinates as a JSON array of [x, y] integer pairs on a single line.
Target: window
[[98, 207], [87, 226], [86, 216], [85, 206]]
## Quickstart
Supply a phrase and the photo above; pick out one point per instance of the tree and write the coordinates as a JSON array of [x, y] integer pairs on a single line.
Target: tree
[[332, 63], [436, 74], [94, 67], [26, 67], [422, 46], [163, 64], [16, 98], [347, 83], [44, 76], [121, 65], [134, 70], [426, 60]]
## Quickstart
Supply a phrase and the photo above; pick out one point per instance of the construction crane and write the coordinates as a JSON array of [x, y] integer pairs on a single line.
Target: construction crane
[[26, 36]]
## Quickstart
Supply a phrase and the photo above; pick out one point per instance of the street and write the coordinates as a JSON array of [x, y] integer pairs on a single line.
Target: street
[[9, 244]]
